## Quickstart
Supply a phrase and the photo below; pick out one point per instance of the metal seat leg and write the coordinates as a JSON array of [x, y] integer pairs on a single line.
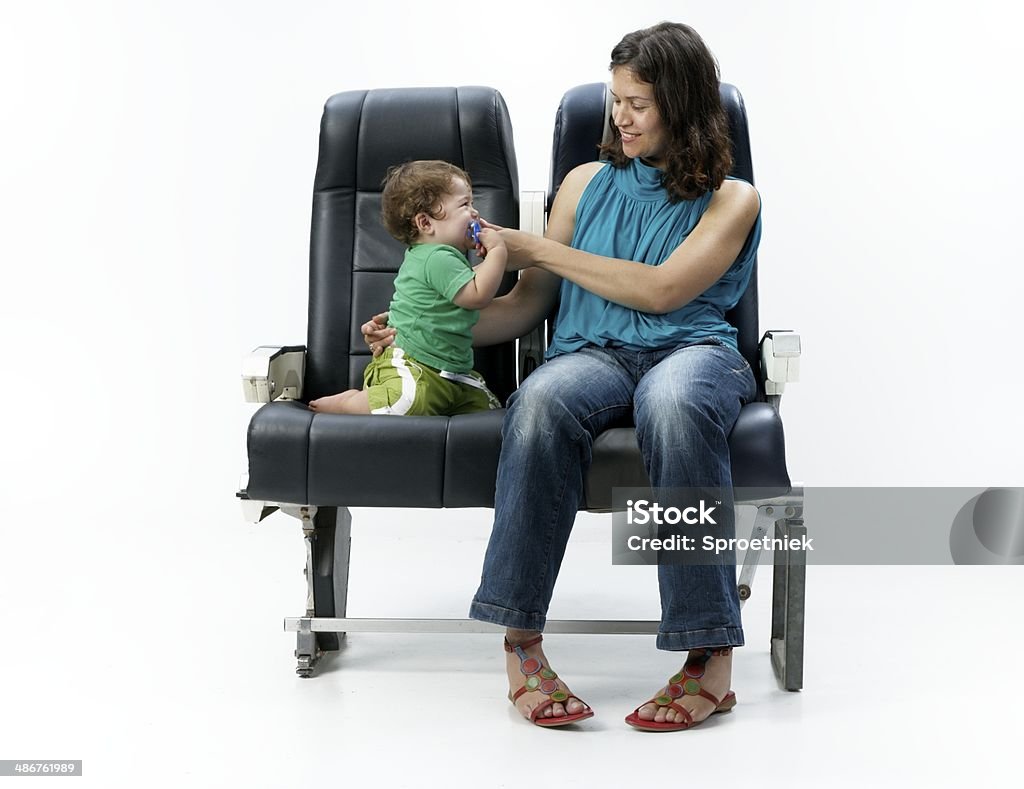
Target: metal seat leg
[[328, 537], [788, 608]]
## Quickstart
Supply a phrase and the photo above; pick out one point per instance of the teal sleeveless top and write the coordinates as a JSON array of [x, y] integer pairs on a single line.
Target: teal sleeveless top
[[625, 213]]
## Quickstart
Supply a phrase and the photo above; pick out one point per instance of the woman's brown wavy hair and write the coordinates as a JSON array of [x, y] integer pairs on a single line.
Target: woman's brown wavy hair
[[675, 60]]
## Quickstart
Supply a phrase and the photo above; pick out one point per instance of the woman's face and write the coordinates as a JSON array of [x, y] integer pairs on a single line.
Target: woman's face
[[636, 116]]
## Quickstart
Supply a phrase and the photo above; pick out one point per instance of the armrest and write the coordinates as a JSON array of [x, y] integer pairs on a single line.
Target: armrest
[[531, 347], [780, 361], [274, 372], [531, 212]]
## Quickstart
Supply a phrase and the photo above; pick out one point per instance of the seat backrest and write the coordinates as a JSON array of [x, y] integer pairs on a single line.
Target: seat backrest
[[580, 125], [352, 258]]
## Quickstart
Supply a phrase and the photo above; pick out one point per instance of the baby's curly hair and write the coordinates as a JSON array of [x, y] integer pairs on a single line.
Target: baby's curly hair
[[413, 188]]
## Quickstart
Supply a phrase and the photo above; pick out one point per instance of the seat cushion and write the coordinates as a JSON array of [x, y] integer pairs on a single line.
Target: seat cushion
[[756, 444], [299, 457]]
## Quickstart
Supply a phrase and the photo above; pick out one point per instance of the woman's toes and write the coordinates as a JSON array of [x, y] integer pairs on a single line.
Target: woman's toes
[[557, 710], [646, 712], [575, 706]]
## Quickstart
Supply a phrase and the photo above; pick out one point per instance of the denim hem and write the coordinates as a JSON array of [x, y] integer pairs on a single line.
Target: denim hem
[[508, 617], [695, 639]]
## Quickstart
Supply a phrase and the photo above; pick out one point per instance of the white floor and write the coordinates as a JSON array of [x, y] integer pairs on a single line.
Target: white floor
[[178, 672]]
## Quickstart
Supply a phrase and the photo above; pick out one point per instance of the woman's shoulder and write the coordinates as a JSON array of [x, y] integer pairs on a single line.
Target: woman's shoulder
[[737, 190], [578, 177], [736, 196], [571, 190]]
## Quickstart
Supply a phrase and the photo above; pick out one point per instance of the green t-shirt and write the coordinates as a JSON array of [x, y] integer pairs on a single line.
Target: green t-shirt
[[431, 328]]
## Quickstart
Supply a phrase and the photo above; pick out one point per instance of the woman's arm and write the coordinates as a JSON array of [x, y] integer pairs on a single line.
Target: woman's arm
[[692, 268], [531, 300], [505, 318], [519, 311]]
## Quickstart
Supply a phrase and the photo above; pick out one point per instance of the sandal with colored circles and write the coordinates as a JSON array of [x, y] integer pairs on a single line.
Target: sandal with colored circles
[[542, 679], [685, 683]]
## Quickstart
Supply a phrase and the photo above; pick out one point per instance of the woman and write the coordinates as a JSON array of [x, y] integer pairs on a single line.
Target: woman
[[650, 249]]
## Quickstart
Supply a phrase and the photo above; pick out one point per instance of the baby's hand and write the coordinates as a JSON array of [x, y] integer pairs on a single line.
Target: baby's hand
[[490, 240]]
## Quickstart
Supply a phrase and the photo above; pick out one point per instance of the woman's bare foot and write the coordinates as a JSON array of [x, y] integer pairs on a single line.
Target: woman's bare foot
[[530, 700], [710, 670], [351, 401]]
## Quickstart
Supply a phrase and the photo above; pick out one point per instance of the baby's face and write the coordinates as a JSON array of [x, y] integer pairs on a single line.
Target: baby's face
[[457, 214]]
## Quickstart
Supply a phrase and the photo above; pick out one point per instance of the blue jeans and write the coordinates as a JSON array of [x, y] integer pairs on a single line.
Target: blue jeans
[[684, 403]]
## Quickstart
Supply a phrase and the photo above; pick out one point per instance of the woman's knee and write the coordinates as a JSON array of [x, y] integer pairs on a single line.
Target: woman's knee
[[680, 417], [693, 404], [538, 409]]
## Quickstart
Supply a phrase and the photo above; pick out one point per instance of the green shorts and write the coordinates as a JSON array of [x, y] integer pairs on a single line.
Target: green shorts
[[397, 384]]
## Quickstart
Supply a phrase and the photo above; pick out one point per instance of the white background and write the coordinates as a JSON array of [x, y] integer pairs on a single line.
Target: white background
[[156, 162]]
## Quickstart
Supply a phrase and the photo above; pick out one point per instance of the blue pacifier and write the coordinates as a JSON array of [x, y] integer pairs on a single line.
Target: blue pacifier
[[473, 231]]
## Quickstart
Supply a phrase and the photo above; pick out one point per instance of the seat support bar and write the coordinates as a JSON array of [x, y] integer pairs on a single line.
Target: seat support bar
[[769, 511], [572, 626]]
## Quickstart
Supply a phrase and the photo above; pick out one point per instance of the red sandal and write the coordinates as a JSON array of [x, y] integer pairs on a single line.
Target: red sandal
[[685, 683], [540, 678]]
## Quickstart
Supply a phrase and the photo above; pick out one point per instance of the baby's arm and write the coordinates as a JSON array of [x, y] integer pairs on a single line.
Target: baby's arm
[[478, 292]]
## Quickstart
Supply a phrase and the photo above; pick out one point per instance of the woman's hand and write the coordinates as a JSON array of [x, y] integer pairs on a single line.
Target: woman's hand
[[518, 244], [489, 225], [377, 333], [520, 248]]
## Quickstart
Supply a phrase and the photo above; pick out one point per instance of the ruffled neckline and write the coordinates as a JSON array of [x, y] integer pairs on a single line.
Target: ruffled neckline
[[640, 181]]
